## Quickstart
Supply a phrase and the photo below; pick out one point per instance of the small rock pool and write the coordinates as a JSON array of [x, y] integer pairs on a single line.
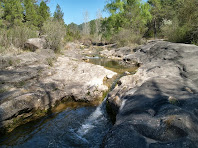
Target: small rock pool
[[111, 64], [74, 127]]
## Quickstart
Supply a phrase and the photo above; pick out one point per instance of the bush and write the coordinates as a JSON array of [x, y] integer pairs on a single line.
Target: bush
[[55, 32], [175, 33], [15, 36], [127, 37], [72, 35]]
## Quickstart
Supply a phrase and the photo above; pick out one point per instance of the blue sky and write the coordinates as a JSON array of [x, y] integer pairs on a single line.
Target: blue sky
[[73, 9]]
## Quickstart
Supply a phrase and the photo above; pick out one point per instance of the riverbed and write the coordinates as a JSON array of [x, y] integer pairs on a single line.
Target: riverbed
[[70, 124]]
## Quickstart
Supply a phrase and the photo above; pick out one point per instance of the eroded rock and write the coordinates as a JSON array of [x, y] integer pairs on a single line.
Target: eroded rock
[[159, 102], [41, 80]]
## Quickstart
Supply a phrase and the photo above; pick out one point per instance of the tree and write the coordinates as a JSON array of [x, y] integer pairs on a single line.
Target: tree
[[92, 25], [98, 22], [175, 19], [13, 12], [43, 13], [31, 16], [72, 32], [86, 25], [130, 15], [136, 15], [58, 14], [1, 13]]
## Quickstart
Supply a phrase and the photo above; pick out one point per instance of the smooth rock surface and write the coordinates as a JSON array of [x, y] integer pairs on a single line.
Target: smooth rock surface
[[159, 106], [40, 79]]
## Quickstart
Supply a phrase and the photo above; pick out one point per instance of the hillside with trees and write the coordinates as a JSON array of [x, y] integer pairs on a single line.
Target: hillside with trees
[[21, 20], [130, 22]]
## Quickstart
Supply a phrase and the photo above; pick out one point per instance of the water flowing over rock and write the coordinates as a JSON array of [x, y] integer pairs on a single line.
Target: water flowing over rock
[[159, 103], [38, 80]]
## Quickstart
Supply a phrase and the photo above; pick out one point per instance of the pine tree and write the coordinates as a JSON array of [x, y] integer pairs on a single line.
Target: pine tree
[[13, 12], [58, 14], [30, 13], [43, 13]]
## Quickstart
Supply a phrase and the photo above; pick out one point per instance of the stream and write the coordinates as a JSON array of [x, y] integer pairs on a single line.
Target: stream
[[76, 125]]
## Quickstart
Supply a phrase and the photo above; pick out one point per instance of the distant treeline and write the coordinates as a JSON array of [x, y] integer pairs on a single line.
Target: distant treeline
[[130, 21], [23, 19]]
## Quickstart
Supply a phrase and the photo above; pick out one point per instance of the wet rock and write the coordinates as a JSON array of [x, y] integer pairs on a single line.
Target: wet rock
[[158, 102]]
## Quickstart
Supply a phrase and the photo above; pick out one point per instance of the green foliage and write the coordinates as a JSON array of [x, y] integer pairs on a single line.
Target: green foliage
[[92, 27], [44, 13], [127, 37], [13, 12], [72, 32], [16, 36], [115, 6], [18, 12], [131, 15], [58, 14], [1, 14], [55, 32], [183, 15], [19, 21], [174, 32], [30, 13]]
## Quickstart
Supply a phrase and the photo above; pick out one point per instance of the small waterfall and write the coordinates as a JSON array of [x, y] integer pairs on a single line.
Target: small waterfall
[[95, 120]]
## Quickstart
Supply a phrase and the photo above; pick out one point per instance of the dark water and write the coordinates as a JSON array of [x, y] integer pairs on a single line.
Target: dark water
[[114, 65], [80, 127]]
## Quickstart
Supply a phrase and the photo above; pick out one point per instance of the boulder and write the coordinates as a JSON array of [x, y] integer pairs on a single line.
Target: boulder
[[35, 43]]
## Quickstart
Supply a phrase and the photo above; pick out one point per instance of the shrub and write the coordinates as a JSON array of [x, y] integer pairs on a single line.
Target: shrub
[[175, 33], [127, 37], [15, 36], [72, 35], [55, 32]]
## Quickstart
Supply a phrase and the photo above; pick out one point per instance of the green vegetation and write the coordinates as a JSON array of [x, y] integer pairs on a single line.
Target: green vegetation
[[130, 22], [2, 90], [55, 32], [175, 20], [127, 22], [24, 19], [58, 14], [50, 61]]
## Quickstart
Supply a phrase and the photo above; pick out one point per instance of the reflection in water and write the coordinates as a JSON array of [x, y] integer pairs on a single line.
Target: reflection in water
[[113, 65]]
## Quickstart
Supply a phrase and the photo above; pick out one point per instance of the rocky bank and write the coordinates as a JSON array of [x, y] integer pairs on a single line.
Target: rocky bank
[[158, 106], [32, 83]]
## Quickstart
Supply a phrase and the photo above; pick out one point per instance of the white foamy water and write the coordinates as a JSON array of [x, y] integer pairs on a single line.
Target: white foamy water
[[82, 127], [95, 119]]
